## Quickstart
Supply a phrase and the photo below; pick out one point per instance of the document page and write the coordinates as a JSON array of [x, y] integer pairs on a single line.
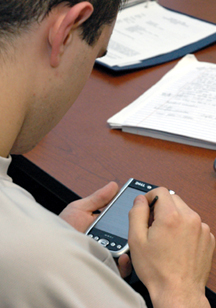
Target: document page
[[147, 30], [183, 103]]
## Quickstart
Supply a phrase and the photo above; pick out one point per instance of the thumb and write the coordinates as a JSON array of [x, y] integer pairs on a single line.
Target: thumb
[[138, 221], [101, 197]]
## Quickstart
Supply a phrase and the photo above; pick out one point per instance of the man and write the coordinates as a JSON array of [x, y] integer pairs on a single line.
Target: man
[[47, 51]]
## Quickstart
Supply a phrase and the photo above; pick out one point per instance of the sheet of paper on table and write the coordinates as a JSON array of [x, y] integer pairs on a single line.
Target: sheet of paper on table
[[148, 34], [181, 107]]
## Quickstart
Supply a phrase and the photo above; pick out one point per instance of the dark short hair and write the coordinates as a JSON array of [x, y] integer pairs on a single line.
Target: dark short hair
[[16, 15]]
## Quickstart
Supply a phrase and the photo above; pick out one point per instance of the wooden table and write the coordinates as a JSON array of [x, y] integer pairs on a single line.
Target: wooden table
[[84, 154]]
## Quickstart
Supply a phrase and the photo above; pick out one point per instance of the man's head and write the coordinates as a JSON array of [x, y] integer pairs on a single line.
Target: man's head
[[47, 51], [16, 16]]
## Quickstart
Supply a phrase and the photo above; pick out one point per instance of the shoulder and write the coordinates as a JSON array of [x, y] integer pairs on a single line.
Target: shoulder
[[45, 261]]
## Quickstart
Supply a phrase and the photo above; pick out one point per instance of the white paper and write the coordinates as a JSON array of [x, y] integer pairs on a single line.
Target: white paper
[[147, 30], [182, 103]]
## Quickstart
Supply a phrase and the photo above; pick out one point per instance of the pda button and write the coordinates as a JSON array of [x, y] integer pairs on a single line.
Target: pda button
[[103, 242]]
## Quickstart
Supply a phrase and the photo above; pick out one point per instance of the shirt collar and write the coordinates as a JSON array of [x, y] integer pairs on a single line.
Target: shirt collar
[[4, 165]]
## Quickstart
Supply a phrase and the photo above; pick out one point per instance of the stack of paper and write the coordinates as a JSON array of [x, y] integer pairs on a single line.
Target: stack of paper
[[181, 107]]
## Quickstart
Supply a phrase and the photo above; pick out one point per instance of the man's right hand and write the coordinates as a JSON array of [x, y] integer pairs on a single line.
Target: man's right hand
[[173, 256]]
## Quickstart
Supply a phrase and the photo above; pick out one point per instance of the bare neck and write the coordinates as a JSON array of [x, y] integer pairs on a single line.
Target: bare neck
[[13, 96]]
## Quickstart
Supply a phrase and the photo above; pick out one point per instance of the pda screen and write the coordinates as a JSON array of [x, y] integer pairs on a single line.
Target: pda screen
[[115, 220]]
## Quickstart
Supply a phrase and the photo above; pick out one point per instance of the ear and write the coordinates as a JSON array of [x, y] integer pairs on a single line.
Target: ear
[[60, 33]]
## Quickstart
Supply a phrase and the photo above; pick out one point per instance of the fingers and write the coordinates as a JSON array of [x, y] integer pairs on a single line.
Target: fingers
[[124, 265], [177, 236], [170, 214], [164, 198], [101, 197], [139, 214], [170, 208], [208, 237], [138, 219]]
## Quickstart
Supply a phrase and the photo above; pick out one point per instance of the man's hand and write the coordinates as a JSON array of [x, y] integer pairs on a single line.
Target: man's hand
[[79, 214], [173, 256]]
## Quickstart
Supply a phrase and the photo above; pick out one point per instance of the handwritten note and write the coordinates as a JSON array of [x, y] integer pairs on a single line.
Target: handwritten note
[[182, 104]]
